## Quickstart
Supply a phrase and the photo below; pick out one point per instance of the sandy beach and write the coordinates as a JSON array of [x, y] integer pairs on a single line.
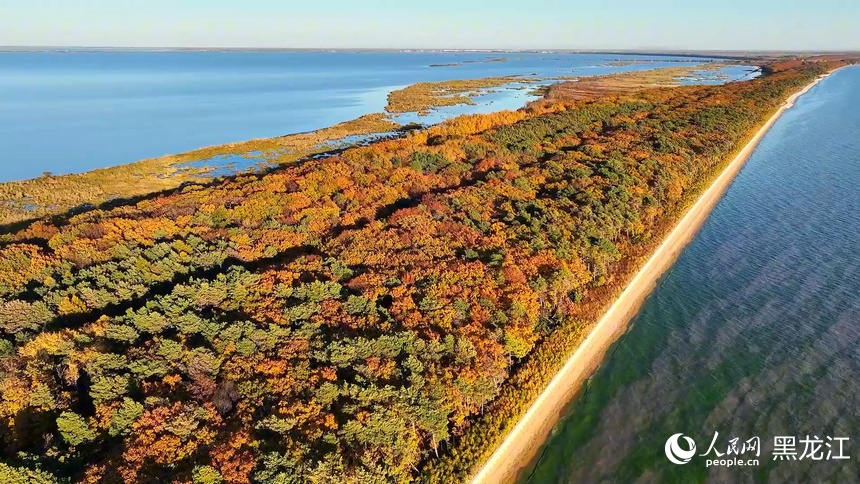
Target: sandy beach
[[524, 440]]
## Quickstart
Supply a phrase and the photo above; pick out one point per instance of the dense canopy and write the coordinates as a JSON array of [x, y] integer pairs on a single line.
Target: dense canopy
[[356, 318]]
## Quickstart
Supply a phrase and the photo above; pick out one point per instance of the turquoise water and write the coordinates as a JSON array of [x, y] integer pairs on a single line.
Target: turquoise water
[[66, 112], [755, 331]]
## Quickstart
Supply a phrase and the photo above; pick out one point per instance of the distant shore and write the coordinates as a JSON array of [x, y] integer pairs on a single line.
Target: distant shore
[[523, 442], [655, 52]]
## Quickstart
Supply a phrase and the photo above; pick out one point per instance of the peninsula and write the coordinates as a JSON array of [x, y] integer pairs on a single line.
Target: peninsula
[[397, 311]]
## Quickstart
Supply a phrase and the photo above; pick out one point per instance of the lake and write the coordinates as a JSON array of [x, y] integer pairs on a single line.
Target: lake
[[754, 333], [66, 112]]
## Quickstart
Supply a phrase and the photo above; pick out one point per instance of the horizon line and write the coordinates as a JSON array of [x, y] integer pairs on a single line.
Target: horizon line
[[434, 49]]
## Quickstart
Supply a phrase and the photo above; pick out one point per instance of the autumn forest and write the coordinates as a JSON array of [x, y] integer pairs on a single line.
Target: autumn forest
[[379, 315]]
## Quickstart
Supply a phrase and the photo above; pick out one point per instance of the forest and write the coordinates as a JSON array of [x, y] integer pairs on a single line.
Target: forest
[[379, 315]]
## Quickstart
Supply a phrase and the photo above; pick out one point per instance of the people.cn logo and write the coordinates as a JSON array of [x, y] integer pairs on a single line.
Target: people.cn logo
[[675, 453]]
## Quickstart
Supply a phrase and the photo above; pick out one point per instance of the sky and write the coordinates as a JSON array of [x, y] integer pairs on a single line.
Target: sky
[[438, 24]]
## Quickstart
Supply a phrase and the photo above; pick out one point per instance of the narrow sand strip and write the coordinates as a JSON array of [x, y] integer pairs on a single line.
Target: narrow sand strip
[[523, 442]]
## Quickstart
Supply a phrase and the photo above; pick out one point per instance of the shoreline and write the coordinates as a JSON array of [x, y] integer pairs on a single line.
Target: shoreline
[[23, 201], [528, 435]]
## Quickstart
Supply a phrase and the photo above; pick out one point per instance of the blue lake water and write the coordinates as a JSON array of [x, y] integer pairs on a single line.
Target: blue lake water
[[66, 112], [755, 331]]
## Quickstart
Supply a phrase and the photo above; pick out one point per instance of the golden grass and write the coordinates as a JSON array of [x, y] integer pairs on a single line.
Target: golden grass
[[49, 195], [423, 96], [625, 82]]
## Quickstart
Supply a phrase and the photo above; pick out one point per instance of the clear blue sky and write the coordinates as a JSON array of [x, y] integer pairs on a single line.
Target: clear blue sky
[[594, 24]]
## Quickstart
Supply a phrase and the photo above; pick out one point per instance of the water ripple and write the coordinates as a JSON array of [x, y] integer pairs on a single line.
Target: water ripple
[[754, 332]]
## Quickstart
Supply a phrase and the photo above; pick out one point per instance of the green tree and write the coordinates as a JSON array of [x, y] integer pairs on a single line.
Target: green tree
[[75, 429], [206, 475], [124, 416], [20, 475]]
